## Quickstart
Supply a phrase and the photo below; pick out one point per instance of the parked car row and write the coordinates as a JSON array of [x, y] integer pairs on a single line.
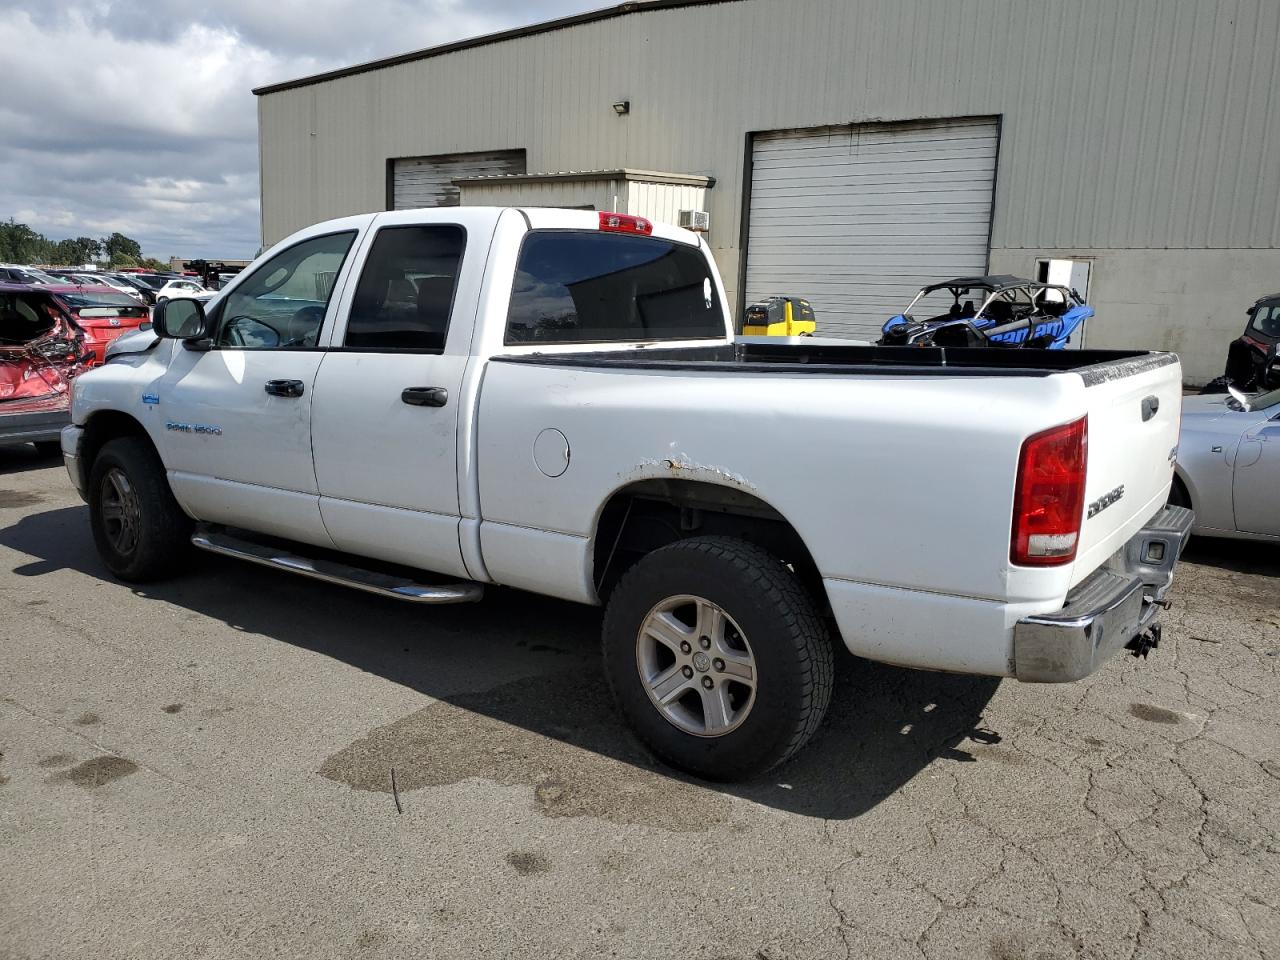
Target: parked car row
[[150, 288]]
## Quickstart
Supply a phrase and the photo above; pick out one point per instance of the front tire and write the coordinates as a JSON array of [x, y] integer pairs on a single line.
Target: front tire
[[48, 448], [140, 531], [717, 657]]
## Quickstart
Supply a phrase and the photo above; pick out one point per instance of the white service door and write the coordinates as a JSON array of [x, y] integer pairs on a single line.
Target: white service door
[[1257, 480], [856, 219]]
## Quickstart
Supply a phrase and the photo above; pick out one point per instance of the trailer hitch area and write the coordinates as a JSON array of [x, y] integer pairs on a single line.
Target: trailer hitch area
[[1144, 643]]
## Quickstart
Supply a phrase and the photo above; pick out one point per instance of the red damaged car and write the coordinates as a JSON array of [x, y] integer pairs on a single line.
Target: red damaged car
[[41, 350], [101, 312]]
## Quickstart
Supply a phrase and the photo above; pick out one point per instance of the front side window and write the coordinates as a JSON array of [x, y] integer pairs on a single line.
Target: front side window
[[585, 286], [283, 303], [406, 289]]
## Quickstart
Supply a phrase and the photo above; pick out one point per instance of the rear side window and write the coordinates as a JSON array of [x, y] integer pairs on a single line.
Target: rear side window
[[406, 289], [588, 287]]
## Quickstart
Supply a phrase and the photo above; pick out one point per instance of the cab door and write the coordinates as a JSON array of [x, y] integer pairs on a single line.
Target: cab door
[[236, 408], [1257, 479], [386, 414]]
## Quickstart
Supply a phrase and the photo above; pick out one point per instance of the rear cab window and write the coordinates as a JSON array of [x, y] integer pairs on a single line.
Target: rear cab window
[[585, 286]]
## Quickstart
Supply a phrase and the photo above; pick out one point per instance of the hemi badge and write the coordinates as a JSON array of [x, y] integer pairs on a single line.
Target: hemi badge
[[150, 398]]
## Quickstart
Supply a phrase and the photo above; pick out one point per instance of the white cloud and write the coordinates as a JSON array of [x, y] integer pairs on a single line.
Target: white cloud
[[138, 117]]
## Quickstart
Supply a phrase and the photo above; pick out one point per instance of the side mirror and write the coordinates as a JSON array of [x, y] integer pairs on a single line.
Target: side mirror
[[179, 319]]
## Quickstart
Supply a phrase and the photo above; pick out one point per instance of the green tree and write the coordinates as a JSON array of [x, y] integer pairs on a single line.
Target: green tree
[[19, 243], [87, 249], [64, 253], [117, 247]]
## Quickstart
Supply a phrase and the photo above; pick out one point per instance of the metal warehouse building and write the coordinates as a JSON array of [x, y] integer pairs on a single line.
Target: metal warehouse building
[[848, 150]]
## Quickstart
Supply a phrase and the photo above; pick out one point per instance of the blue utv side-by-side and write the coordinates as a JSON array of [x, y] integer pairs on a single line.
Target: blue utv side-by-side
[[993, 311]]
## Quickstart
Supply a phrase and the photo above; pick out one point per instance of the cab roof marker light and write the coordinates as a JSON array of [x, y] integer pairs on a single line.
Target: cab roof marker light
[[625, 223]]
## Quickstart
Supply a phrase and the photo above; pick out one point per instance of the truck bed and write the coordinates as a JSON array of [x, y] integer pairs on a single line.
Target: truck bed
[[1094, 366]]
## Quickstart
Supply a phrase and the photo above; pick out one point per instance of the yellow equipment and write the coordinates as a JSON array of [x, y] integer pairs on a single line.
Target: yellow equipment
[[779, 317]]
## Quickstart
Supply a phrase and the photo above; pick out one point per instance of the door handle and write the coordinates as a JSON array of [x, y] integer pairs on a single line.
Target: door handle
[[285, 388], [425, 396]]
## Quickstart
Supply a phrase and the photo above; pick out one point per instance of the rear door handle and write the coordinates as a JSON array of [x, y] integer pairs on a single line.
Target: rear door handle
[[425, 396], [285, 388]]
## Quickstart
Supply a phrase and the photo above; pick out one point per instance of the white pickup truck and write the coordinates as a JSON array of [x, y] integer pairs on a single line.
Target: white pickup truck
[[424, 402]]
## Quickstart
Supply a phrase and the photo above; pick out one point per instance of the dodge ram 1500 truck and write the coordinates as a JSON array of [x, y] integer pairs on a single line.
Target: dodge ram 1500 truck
[[423, 402]]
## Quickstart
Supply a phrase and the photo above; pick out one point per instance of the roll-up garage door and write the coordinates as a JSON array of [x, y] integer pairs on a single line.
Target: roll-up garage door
[[428, 181], [857, 218]]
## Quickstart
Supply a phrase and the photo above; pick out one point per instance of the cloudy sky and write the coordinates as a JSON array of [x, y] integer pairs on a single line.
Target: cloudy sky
[[136, 115]]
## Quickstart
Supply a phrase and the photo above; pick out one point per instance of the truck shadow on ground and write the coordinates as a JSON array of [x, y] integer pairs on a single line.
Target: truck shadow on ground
[[23, 457], [518, 695]]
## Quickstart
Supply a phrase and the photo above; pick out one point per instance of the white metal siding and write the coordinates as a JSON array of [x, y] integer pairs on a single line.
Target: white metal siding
[[857, 218], [428, 181], [596, 194]]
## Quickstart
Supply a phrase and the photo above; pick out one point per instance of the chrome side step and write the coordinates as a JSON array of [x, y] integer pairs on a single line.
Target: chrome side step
[[370, 581]]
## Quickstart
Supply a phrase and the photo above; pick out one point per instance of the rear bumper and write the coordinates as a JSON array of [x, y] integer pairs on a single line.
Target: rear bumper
[[32, 427], [1117, 604]]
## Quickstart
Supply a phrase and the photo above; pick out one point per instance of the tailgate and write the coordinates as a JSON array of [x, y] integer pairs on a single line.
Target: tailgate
[[1134, 410]]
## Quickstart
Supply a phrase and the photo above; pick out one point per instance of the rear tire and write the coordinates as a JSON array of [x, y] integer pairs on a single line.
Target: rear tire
[[1216, 385], [140, 531], [685, 629]]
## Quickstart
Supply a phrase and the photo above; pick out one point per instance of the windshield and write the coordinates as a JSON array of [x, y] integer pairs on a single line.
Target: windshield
[[1266, 319], [90, 298]]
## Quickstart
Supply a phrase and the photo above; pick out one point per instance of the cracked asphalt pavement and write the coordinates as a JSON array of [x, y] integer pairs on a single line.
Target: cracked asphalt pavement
[[204, 768]]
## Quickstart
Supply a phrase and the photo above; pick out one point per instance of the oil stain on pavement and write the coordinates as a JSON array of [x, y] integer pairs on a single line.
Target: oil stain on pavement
[[547, 733], [1145, 711], [19, 498], [97, 771]]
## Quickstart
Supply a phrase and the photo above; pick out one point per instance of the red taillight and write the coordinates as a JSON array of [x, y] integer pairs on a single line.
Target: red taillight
[[1048, 501], [625, 223]]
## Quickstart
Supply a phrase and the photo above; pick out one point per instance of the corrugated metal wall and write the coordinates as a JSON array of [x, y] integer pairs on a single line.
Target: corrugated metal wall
[[1127, 123]]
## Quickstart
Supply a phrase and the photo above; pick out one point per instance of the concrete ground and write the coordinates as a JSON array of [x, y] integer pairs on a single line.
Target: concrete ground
[[202, 768]]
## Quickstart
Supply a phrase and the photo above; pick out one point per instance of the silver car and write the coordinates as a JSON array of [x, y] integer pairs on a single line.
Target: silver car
[[1229, 465]]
